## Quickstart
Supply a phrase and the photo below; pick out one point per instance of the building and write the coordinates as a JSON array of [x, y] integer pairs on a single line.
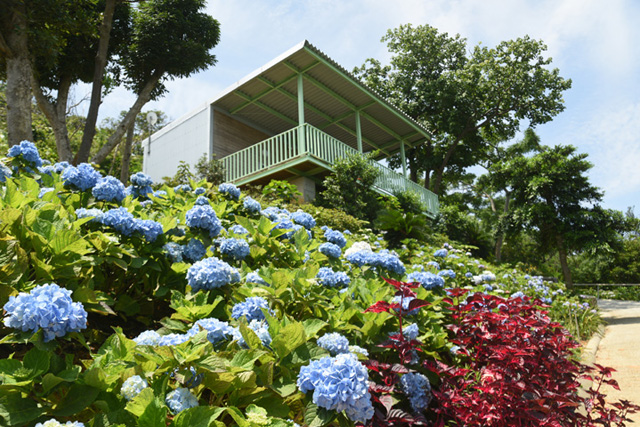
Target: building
[[290, 120]]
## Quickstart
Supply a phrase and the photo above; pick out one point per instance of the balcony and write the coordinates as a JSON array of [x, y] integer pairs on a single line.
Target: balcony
[[305, 145]]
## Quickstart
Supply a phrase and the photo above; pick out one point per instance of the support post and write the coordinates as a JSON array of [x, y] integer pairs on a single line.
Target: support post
[[404, 163], [358, 131], [301, 133]]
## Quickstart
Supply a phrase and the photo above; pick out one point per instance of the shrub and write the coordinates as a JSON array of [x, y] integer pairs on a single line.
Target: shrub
[[210, 170], [280, 192]]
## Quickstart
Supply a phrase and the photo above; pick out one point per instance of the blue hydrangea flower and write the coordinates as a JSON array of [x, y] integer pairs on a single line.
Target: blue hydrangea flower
[[121, 220], [5, 172], [327, 277], [339, 383], [204, 217], [251, 308], [133, 386], [389, 261], [173, 339], [335, 237], [347, 232], [357, 349], [48, 307], [109, 189], [180, 399], [85, 213], [518, 294], [447, 273], [441, 253], [253, 277], [28, 151], [147, 338], [405, 305], [199, 191], [46, 170], [260, 328], [149, 229], [331, 250], [410, 331], [334, 343], [60, 166], [140, 179], [229, 190], [427, 279], [82, 177], [174, 251], [217, 330], [182, 188], [434, 265], [468, 274], [161, 194], [251, 205], [304, 219], [54, 423], [360, 258], [238, 229], [417, 387], [201, 201], [488, 276], [44, 190], [235, 248], [194, 250], [211, 273]]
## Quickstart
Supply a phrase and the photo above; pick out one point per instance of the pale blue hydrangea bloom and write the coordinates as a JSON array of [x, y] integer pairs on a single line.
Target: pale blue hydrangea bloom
[[109, 189], [182, 188], [357, 349], [238, 229], [339, 383], [121, 220], [174, 251], [251, 205], [334, 343], [235, 248], [389, 261], [274, 214], [347, 232], [417, 387], [331, 250], [205, 218], [254, 277], [5, 172], [147, 338], [199, 191], [54, 423], [447, 273], [304, 219], [229, 190], [335, 237], [434, 265], [60, 166], [427, 279], [211, 273], [133, 386], [441, 253], [28, 151], [148, 228], [251, 309], [44, 190], [488, 276], [146, 203], [360, 258], [202, 201], [173, 339], [217, 330], [180, 399], [194, 250], [140, 179], [327, 277], [410, 331], [405, 305], [82, 177], [48, 307], [468, 274], [161, 194], [260, 328], [518, 295], [46, 170]]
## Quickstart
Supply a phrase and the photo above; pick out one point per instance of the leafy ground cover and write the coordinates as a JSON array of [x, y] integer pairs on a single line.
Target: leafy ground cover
[[196, 305]]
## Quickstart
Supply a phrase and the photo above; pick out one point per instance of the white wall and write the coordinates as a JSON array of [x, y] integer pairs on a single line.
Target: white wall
[[186, 139]]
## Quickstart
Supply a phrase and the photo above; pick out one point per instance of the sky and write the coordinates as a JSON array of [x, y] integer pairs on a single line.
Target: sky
[[595, 43]]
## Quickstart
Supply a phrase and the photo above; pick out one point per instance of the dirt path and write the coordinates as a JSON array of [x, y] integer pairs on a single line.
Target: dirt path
[[620, 349]]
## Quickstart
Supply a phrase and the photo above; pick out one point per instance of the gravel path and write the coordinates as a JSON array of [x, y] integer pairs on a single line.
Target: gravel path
[[620, 349]]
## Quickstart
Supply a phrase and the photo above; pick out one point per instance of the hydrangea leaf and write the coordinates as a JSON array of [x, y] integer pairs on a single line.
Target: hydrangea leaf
[[16, 410], [289, 337], [315, 416], [77, 398], [199, 416], [139, 404], [154, 415], [244, 359], [36, 361], [312, 326]]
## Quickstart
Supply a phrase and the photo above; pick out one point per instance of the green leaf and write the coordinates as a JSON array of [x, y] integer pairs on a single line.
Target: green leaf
[[238, 417], [139, 404], [154, 415], [79, 397], [244, 359], [289, 337], [16, 410], [312, 326], [37, 361], [199, 416], [315, 416], [49, 381]]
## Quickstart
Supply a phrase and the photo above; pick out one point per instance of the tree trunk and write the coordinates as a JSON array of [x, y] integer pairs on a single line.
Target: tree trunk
[[440, 171], [16, 52], [143, 97], [96, 88], [126, 155], [57, 116], [500, 237], [562, 255]]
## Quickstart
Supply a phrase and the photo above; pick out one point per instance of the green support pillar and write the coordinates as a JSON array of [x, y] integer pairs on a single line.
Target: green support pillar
[[358, 131], [301, 136], [404, 163]]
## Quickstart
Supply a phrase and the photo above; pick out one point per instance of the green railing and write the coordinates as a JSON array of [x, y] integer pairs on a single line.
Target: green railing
[[276, 153]]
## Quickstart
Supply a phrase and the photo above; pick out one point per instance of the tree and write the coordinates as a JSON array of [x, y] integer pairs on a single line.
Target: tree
[[464, 99], [551, 195]]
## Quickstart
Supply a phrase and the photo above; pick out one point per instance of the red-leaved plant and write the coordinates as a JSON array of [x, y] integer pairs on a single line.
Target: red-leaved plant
[[512, 366]]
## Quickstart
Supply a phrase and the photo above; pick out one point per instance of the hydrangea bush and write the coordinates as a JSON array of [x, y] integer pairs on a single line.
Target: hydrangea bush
[[167, 312]]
